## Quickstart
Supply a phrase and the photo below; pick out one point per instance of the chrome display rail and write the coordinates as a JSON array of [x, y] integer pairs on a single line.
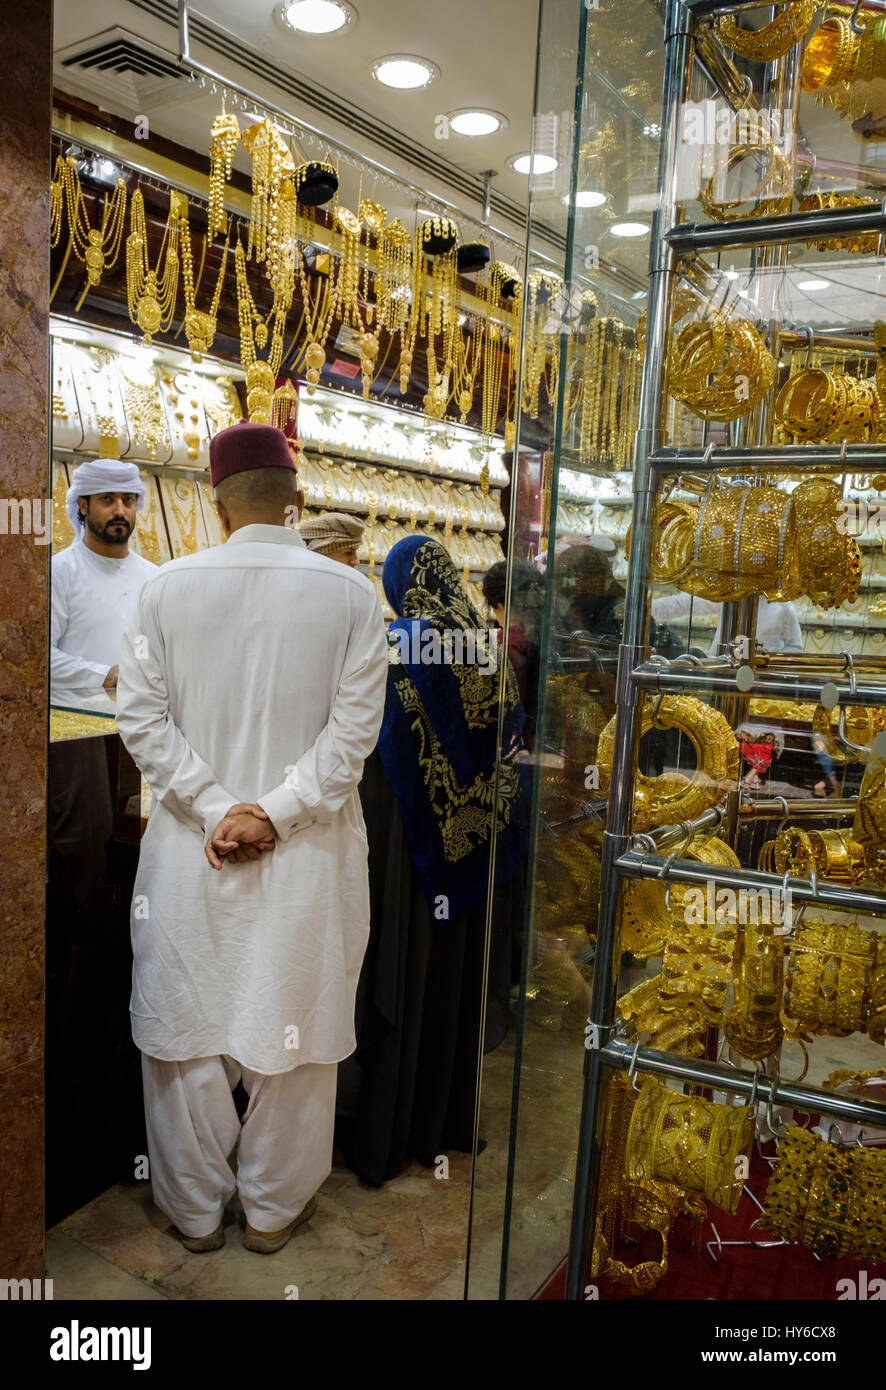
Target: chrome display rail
[[621, 859]]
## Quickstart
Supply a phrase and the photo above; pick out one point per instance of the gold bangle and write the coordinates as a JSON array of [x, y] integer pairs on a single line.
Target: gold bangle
[[691, 1142], [832, 977], [829, 60], [773, 194], [826, 1199], [774, 39], [867, 95], [753, 1025], [675, 797]]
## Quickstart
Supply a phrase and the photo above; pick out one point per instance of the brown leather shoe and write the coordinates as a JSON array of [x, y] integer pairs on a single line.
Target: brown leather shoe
[[266, 1242], [198, 1245]]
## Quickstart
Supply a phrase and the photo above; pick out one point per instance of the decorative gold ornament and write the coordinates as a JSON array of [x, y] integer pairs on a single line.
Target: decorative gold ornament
[[97, 247], [225, 138], [199, 325], [772, 40], [271, 162], [827, 1199], [151, 291], [673, 797]]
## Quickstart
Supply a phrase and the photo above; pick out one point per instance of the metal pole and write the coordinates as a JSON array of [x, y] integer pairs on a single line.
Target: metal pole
[[851, 458], [694, 1071], [805, 691], [663, 267], [844, 897], [770, 231]]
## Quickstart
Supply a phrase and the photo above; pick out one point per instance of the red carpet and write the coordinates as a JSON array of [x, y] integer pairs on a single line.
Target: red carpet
[[743, 1273]]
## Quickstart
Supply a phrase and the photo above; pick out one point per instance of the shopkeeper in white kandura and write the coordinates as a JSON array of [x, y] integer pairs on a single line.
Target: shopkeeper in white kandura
[[96, 581], [252, 685]]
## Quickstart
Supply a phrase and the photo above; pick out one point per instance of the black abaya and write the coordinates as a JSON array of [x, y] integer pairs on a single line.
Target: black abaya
[[410, 1088]]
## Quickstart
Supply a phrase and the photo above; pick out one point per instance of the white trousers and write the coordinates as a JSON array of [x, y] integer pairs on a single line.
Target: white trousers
[[285, 1140]]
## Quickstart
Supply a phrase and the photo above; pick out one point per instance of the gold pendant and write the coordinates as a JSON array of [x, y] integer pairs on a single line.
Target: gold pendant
[[199, 331]]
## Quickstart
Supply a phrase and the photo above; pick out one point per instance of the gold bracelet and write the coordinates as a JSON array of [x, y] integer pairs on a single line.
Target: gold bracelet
[[691, 1142], [772, 196], [832, 977], [753, 1025], [829, 62], [829, 1200], [674, 797], [772, 40]]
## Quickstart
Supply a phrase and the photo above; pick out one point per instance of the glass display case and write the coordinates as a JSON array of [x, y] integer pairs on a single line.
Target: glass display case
[[698, 1098]]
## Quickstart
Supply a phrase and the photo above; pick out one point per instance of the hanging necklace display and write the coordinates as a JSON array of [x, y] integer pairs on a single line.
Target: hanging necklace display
[[469, 353], [281, 244], [541, 288], [260, 374], [152, 293], [199, 325], [98, 248], [271, 162], [505, 284], [393, 276], [318, 320], [225, 139]]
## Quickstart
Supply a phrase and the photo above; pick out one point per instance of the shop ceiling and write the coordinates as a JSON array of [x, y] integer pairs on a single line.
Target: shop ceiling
[[111, 52]]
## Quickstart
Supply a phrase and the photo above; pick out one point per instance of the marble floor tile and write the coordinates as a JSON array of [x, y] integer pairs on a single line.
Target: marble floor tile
[[78, 1273]]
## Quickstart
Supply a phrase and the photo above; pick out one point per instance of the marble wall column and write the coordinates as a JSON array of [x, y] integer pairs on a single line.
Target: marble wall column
[[25, 123]]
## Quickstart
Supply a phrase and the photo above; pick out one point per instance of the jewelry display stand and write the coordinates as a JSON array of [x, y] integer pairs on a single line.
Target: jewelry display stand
[[757, 435]]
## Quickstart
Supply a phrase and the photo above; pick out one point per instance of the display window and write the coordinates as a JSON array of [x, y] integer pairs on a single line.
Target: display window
[[699, 1082]]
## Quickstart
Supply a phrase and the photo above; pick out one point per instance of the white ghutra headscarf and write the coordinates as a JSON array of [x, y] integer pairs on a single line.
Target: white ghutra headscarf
[[102, 475]]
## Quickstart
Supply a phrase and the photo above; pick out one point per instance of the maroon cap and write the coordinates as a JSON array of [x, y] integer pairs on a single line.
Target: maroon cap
[[245, 446]]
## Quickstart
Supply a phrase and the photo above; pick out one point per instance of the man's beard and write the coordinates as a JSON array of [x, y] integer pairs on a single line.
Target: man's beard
[[111, 533]]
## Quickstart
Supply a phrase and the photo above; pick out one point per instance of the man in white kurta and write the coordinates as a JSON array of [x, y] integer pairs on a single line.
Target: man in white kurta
[[96, 580], [252, 674]]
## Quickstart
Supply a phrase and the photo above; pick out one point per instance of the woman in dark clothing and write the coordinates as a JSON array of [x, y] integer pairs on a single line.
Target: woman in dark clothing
[[429, 800]]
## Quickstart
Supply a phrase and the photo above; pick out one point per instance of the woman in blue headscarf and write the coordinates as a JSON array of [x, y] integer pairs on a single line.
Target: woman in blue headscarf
[[440, 791]]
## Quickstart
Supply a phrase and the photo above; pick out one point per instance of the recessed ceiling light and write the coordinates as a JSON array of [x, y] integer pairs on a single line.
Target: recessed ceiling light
[[587, 198], [814, 285], [404, 70], [317, 16], [533, 163], [475, 121], [627, 229]]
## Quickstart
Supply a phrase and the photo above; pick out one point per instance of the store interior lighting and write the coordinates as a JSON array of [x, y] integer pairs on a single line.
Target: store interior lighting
[[317, 16], [405, 71]]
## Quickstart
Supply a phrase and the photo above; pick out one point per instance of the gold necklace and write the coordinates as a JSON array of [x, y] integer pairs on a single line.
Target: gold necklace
[[151, 293], [98, 248], [318, 321], [144, 412], [199, 326], [220, 413], [261, 375], [186, 517], [225, 139], [271, 162], [109, 444], [146, 536]]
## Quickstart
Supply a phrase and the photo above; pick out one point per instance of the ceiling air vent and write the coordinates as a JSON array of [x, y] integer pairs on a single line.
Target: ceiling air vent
[[123, 54], [121, 71]]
